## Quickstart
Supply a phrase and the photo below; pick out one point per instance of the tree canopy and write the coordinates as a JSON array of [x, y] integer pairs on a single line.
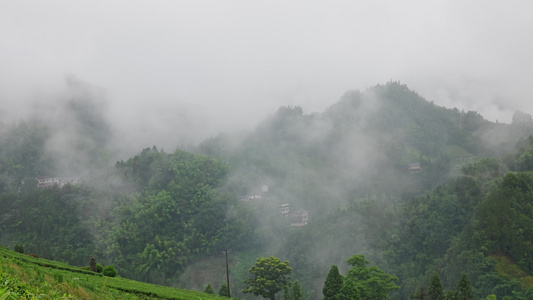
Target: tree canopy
[[366, 282], [464, 291], [332, 284], [268, 276], [435, 289]]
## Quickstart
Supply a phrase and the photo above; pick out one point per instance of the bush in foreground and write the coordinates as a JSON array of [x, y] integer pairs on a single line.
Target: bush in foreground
[[110, 271]]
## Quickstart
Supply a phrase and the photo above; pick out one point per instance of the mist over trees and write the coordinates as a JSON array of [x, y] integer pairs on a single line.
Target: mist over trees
[[416, 188]]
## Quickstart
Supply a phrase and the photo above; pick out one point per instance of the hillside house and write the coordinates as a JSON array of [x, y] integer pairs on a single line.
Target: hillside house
[[299, 218], [414, 167], [44, 182], [247, 198], [284, 210]]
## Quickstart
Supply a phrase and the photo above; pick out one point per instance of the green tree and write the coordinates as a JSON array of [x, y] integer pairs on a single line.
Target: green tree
[[269, 275], [350, 290], [209, 289], [435, 289], [332, 284], [223, 289], [286, 293], [363, 282], [297, 291], [464, 291]]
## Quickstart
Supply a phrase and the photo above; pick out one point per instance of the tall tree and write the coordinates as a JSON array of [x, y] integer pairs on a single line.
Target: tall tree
[[435, 289], [297, 291], [332, 284], [286, 293], [464, 291], [269, 275]]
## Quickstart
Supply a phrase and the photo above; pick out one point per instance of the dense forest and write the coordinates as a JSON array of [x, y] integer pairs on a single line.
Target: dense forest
[[416, 188]]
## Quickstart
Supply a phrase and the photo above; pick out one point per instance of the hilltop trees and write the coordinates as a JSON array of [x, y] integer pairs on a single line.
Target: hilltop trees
[[269, 276], [177, 211]]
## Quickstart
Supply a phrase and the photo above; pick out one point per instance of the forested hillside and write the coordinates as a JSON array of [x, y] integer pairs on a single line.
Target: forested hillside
[[417, 188], [352, 168]]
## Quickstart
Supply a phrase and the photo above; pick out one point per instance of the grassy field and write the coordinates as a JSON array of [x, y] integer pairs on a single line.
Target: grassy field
[[26, 277]]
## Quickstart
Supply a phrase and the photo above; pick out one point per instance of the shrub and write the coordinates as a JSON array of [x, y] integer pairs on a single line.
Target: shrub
[[99, 268], [209, 289], [223, 289], [19, 248], [110, 271]]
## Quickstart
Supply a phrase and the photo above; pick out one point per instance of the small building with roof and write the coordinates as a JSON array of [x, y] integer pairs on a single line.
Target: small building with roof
[[44, 182], [414, 167], [299, 218], [285, 209]]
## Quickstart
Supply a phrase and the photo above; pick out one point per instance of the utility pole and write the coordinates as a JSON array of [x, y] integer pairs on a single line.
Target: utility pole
[[227, 272]]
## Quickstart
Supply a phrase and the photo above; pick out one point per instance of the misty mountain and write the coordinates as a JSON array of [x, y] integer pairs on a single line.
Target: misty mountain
[[382, 172], [361, 144], [66, 136], [351, 168]]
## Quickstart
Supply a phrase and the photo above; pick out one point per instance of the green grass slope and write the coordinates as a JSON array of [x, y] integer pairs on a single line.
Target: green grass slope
[[26, 277]]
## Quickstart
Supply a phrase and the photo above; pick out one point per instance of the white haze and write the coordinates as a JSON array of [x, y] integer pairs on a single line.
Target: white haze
[[177, 72]]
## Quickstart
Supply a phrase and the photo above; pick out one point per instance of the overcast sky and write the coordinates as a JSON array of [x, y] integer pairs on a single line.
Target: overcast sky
[[208, 66]]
